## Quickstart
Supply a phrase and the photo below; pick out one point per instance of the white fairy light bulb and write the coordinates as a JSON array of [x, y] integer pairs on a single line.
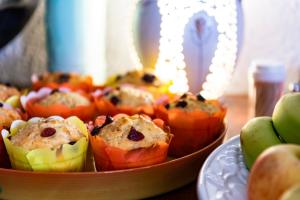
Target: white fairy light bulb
[[171, 66]]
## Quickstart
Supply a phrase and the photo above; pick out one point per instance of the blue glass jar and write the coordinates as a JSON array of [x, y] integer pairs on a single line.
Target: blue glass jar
[[64, 29]]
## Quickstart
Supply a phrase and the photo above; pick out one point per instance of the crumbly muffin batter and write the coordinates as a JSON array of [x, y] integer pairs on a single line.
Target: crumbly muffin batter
[[116, 134], [139, 78], [6, 92], [7, 116], [59, 77], [31, 135], [70, 99], [189, 102], [130, 96]]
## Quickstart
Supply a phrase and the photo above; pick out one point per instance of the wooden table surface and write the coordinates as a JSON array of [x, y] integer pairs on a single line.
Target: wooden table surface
[[237, 116]]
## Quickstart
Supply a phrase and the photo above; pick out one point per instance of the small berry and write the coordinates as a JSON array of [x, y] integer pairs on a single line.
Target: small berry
[[181, 104], [148, 78], [47, 132], [167, 106], [200, 97], [135, 135], [63, 78], [114, 100]]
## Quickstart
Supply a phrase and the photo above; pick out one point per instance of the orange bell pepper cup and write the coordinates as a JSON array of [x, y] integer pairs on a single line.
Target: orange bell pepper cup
[[113, 158], [85, 113], [192, 130], [105, 107]]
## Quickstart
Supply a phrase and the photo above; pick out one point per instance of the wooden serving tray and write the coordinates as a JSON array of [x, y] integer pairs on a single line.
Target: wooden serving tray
[[120, 184]]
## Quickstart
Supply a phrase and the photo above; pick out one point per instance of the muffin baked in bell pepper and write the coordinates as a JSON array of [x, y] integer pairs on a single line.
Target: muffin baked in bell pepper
[[7, 115], [47, 102], [10, 95], [145, 79], [52, 144], [124, 99], [194, 121], [124, 142], [56, 80]]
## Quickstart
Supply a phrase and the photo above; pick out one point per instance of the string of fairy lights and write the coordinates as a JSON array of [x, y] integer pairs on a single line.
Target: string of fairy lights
[[170, 65]]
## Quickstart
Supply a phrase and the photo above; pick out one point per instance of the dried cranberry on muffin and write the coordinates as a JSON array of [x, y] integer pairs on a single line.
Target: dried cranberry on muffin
[[47, 102], [128, 142], [124, 99], [194, 121], [7, 116], [55, 80], [52, 144]]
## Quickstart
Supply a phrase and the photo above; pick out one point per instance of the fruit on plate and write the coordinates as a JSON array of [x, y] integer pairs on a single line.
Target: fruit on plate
[[286, 117], [274, 172], [292, 194], [257, 135]]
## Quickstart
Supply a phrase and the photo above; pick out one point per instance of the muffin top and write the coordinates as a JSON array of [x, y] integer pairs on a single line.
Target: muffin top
[[139, 78], [7, 115], [59, 77], [131, 132], [69, 99], [129, 96], [189, 103], [46, 133], [7, 91]]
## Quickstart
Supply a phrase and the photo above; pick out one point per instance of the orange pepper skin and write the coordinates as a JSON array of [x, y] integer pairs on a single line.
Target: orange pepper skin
[[112, 158], [85, 113], [192, 130]]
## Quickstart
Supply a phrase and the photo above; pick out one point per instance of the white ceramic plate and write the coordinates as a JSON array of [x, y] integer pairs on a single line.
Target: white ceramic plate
[[224, 175]]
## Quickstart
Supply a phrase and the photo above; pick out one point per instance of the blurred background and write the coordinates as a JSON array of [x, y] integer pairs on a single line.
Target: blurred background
[[98, 37]]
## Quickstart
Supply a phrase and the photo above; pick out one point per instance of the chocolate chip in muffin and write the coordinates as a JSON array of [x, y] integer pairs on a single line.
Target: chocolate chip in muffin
[[54, 91], [200, 97], [118, 77], [47, 132], [106, 93], [183, 96], [40, 77], [63, 78], [96, 130], [135, 135], [114, 100], [148, 78], [1, 104], [181, 104], [167, 106]]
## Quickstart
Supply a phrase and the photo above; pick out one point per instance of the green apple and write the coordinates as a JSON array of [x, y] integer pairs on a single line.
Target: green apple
[[274, 172], [286, 117], [292, 194], [257, 135]]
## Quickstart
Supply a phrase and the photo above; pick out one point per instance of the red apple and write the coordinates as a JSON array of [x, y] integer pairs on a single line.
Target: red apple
[[274, 172]]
